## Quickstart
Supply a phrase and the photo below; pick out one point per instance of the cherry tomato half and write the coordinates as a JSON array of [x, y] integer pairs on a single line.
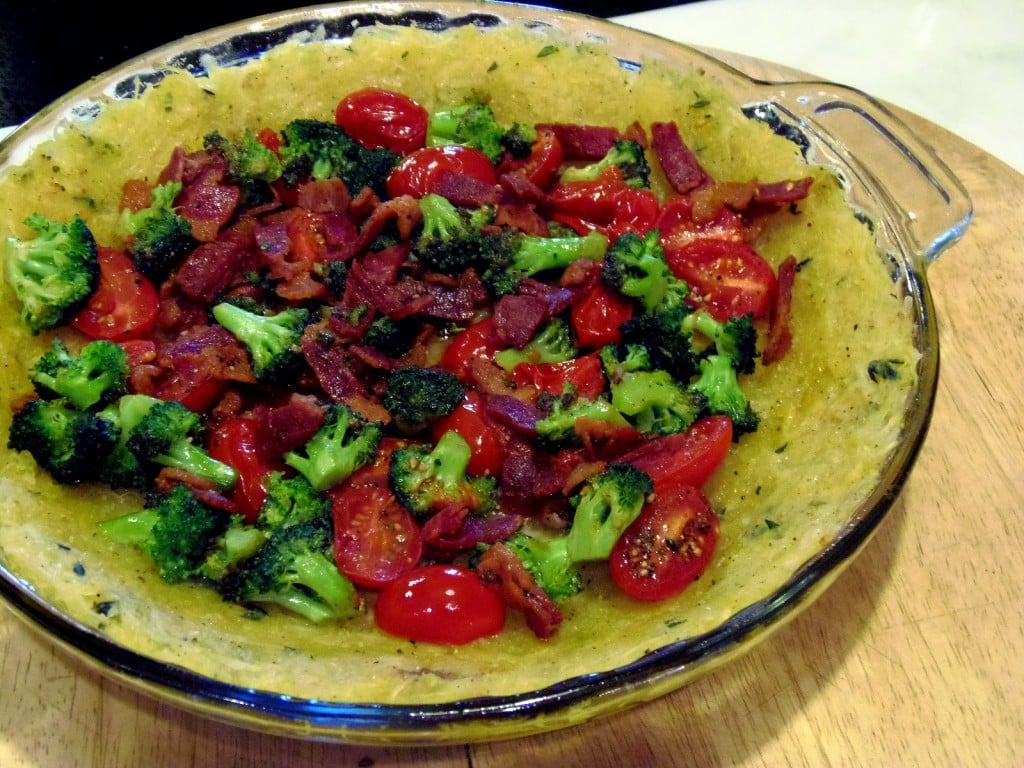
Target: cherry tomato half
[[667, 547], [544, 160], [125, 303], [375, 539], [382, 119], [584, 374], [684, 458], [597, 317], [727, 277], [238, 443], [469, 422], [478, 340], [417, 173], [442, 604]]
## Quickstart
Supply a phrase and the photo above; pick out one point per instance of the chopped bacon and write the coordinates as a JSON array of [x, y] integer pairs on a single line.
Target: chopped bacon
[[210, 269], [207, 208], [290, 423], [331, 364], [517, 188], [783, 192], [524, 217], [323, 196], [583, 142], [780, 335], [517, 318], [465, 189], [404, 211], [505, 573], [453, 528], [520, 415], [681, 167], [202, 489]]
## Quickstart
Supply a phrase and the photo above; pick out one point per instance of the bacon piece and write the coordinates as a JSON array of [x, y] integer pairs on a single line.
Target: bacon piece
[[323, 196], [207, 208], [677, 160], [522, 216], [780, 335], [458, 302], [204, 353], [517, 318], [465, 189], [202, 489], [289, 424], [583, 142], [517, 414], [453, 528], [517, 188], [331, 364], [505, 573], [404, 210], [783, 192], [210, 269]]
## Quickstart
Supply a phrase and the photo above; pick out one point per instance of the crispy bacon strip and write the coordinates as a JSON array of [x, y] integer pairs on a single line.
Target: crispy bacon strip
[[583, 142], [780, 335], [505, 573], [680, 165]]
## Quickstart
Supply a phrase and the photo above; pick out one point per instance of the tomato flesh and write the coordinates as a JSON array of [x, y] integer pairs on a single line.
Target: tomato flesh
[[597, 318], [469, 422], [684, 458], [727, 277], [667, 547], [125, 303], [417, 173], [443, 604], [382, 119], [238, 442]]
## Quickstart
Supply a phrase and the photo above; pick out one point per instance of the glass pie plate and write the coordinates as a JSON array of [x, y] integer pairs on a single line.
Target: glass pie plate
[[263, 677]]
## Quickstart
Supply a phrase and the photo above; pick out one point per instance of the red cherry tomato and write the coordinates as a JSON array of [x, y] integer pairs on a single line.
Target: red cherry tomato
[[376, 473], [684, 458], [727, 277], [125, 304], [667, 547], [606, 204], [478, 340], [443, 604], [417, 173], [583, 374], [677, 228], [469, 421], [239, 443], [381, 119], [545, 159], [596, 318], [376, 540]]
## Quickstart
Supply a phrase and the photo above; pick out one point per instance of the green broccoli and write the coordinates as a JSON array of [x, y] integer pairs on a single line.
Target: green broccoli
[[735, 338], [655, 403], [164, 433], [65, 441], [450, 239], [604, 507], [617, 359], [635, 266], [294, 570], [393, 337], [176, 532], [416, 396], [251, 164], [320, 149], [517, 256], [94, 376], [236, 544], [274, 341], [558, 427], [342, 445], [625, 154], [52, 273], [547, 560], [474, 125], [720, 387], [291, 500], [425, 478], [552, 344], [158, 235], [660, 333]]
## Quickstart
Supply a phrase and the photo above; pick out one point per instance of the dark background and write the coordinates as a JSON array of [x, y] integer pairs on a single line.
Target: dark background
[[48, 47]]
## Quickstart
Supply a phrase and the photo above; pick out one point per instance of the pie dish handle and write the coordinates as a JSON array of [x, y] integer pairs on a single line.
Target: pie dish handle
[[888, 165]]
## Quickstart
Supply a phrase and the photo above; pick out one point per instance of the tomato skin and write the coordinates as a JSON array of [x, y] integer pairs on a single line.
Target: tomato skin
[[469, 421], [606, 204], [376, 540], [417, 173], [685, 458], [238, 442], [125, 304], [443, 604], [478, 340], [597, 317], [728, 277], [382, 119], [584, 374], [667, 547], [544, 161]]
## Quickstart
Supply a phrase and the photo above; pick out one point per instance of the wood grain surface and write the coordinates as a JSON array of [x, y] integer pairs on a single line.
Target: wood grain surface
[[915, 656]]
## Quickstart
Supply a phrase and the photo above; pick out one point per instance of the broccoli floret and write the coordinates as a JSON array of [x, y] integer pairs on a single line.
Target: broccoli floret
[[625, 154], [342, 445], [416, 396], [230, 549], [635, 266], [425, 478], [392, 337], [294, 570], [604, 507], [735, 338], [164, 433], [552, 344], [95, 376], [516, 256], [669, 347], [291, 500], [617, 359], [274, 341], [176, 533], [158, 235], [474, 125], [547, 560], [321, 150], [655, 403], [558, 427], [450, 239], [65, 441], [53, 273], [251, 164], [719, 385]]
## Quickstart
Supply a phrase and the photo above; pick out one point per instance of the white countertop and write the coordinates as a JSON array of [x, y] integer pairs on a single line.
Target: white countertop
[[959, 63]]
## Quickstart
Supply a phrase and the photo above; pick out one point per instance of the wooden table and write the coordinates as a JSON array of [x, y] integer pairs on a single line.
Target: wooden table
[[915, 656]]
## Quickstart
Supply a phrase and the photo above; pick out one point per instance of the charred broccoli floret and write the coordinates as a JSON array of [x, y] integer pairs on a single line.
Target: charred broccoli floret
[[157, 235], [425, 478], [320, 149], [274, 341], [552, 344], [65, 441], [627, 155], [516, 256], [635, 266], [236, 544], [251, 164], [558, 427], [735, 338], [291, 500], [660, 333], [719, 385], [547, 560], [343, 443], [474, 125], [393, 337], [450, 239], [604, 507], [176, 532], [655, 403], [94, 376], [52, 273], [416, 396]]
